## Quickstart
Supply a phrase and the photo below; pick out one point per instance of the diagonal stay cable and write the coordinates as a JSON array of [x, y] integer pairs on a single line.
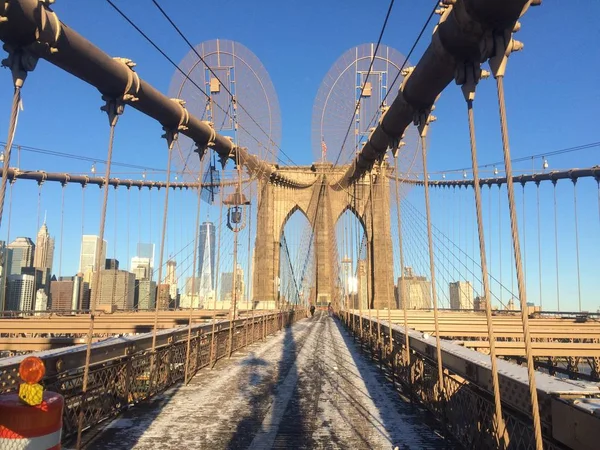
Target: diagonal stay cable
[[387, 16], [178, 30], [174, 64]]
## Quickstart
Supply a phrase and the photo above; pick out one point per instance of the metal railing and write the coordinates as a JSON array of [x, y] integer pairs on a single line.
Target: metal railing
[[463, 407], [124, 371]]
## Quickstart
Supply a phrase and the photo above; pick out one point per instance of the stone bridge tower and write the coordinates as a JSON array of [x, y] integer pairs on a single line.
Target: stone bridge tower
[[323, 203]]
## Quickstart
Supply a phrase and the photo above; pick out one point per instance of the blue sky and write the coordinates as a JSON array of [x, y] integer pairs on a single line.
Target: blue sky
[[552, 95]]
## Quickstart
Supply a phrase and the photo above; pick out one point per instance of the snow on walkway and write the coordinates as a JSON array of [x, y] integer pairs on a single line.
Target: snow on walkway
[[306, 387]]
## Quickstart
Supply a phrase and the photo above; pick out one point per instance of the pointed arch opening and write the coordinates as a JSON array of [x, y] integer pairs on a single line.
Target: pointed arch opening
[[296, 272], [353, 259]]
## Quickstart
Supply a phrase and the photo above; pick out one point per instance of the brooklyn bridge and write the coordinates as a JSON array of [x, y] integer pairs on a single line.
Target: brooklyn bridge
[[200, 280]]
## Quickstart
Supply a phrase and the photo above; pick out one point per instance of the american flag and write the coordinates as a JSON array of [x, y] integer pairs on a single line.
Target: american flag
[[323, 149]]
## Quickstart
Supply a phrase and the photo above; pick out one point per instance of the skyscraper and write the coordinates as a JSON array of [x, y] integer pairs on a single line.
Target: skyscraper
[[171, 278], [461, 295], [145, 294], [21, 254], [206, 258], [117, 287], [20, 293], [44, 254], [146, 250], [141, 267], [413, 291], [69, 293], [90, 246], [111, 264], [227, 285]]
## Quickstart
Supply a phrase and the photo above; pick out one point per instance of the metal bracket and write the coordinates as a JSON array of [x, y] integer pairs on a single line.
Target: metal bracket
[[499, 46], [422, 120], [114, 108], [467, 76], [20, 61], [171, 136], [133, 80]]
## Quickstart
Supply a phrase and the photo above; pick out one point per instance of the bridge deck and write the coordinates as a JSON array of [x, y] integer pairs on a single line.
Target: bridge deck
[[306, 387]]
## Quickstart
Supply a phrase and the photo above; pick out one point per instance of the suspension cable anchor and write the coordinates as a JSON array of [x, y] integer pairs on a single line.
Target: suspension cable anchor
[[497, 47], [113, 107], [20, 61]]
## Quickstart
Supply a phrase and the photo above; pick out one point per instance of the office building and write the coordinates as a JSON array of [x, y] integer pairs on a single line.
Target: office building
[[171, 278], [461, 295], [479, 304], [142, 268], [361, 295], [69, 293], [227, 285], [111, 264], [41, 300], [44, 255], [145, 294], [192, 286], [21, 254], [117, 287], [413, 291], [20, 295], [90, 247], [146, 250], [206, 257], [164, 299]]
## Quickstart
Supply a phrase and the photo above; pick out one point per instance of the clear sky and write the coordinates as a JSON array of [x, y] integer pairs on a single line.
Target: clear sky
[[552, 95]]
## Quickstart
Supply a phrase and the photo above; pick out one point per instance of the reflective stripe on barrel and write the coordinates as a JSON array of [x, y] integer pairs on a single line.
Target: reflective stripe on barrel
[[31, 427]]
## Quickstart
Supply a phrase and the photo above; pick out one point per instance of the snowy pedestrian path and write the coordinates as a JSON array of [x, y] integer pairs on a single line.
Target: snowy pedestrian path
[[307, 387]]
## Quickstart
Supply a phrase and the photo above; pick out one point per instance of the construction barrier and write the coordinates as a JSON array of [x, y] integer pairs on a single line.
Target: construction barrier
[[23, 426]]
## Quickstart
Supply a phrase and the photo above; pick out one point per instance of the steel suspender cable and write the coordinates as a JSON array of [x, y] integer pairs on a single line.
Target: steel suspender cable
[[498, 420], [160, 294], [82, 212], [539, 239], [518, 265], [490, 246], [113, 108], [402, 297], [500, 240], [371, 258], [249, 269], [524, 235], [39, 203], [12, 127], [9, 213], [193, 292], [62, 221], [128, 227], [438, 342], [218, 268], [577, 241], [556, 248]]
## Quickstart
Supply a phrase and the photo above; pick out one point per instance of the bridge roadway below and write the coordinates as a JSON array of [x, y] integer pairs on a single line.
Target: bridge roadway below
[[308, 386]]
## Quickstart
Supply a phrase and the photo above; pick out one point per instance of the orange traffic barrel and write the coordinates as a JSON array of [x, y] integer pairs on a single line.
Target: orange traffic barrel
[[31, 427]]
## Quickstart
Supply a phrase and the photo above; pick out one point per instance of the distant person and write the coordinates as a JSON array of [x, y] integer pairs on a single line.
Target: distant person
[[312, 310]]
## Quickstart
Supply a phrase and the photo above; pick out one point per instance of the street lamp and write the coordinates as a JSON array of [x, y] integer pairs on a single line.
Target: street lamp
[[236, 221]]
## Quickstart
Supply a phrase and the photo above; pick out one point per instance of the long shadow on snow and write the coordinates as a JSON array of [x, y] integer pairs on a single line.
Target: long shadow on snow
[[412, 414], [270, 392]]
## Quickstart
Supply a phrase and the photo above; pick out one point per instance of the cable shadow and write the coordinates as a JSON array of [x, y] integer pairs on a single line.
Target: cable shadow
[[411, 414], [275, 416], [125, 430]]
